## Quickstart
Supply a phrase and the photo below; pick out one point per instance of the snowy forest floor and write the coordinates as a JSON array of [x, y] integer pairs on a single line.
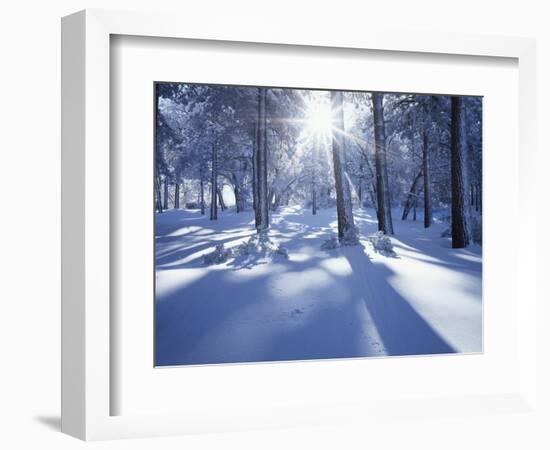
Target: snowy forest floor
[[346, 302]]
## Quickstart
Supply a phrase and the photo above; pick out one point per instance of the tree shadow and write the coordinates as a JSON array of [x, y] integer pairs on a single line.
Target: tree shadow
[[444, 256], [250, 260], [183, 321], [329, 332], [284, 231], [182, 253], [168, 238], [402, 329], [324, 332], [464, 266]]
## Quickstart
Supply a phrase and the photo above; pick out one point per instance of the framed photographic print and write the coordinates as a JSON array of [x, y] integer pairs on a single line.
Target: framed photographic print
[[278, 242]]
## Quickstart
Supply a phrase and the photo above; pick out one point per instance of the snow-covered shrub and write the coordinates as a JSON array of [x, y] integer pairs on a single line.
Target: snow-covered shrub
[[259, 249], [281, 251], [382, 244], [218, 256], [351, 237], [260, 244], [330, 244]]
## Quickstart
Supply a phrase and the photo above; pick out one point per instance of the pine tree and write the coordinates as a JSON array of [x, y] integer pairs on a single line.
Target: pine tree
[[262, 211], [385, 223], [344, 210], [459, 217], [427, 178], [214, 184], [177, 196]]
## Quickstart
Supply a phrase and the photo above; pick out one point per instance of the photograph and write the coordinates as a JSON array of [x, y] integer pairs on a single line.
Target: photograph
[[298, 223]]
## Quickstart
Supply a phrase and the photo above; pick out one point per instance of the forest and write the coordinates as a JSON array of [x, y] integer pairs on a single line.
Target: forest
[[310, 224]]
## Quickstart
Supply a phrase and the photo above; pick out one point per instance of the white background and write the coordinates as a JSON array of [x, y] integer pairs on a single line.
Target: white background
[[29, 177]]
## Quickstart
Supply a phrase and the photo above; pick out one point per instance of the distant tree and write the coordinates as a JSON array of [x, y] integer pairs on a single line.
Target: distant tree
[[412, 196], [177, 196], [429, 130], [201, 198], [214, 183], [426, 171]]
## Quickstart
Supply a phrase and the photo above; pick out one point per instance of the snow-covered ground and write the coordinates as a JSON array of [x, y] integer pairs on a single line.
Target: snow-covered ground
[[346, 302]]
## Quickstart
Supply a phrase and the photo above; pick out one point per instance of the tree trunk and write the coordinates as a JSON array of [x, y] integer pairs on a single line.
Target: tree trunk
[[360, 183], [262, 211], [165, 193], [372, 184], [479, 198], [372, 195], [411, 196], [313, 199], [415, 201], [343, 195], [177, 196], [275, 203], [220, 199], [382, 186], [158, 194], [237, 194], [157, 156], [427, 183], [459, 218], [270, 198], [202, 193], [255, 166], [214, 185]]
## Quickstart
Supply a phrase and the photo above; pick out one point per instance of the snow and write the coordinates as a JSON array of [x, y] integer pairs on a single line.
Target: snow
[[348, 301], [382, 243]]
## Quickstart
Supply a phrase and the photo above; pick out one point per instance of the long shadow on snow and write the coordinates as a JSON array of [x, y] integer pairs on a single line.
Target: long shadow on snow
[[179, 328], [326, 333], [180, 325], [402, 330], [183, 252], [450, 257], [313, 235], [165, 222], [415, 238], [465, 266], [330, 332], [410, 233]]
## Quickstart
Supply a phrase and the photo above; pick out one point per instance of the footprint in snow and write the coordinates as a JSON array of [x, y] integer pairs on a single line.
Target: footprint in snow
[[296, 312]]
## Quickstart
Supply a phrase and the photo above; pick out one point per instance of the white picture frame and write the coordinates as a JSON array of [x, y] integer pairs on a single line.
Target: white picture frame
[[86, 222]]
